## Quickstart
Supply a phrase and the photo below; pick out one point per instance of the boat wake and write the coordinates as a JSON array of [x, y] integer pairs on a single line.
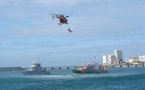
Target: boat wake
[[77, 76]]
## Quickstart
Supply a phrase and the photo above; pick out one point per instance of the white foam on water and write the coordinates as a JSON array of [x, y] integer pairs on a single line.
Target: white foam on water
[[68, 76], [73, 76]]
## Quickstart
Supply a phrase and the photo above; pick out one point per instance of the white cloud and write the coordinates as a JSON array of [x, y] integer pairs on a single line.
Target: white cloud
[[6, 2], [3, 2]]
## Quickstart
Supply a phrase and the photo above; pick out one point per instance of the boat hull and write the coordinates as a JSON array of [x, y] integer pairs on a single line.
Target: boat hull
[[36, 73], [89, 72]]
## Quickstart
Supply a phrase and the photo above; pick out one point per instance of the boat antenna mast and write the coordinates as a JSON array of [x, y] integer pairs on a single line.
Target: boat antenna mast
[[38, 60]]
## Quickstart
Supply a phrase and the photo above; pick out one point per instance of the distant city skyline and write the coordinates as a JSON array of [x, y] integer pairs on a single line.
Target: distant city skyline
[[27, 31], [117, 58], [113, 58]]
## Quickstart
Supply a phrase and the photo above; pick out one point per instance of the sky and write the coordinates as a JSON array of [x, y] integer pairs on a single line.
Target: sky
[[27, 31]]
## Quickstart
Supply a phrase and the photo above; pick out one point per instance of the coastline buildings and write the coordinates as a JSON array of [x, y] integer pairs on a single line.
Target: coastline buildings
[[135, 59], [117, 58], [142, 58], [114, 58]]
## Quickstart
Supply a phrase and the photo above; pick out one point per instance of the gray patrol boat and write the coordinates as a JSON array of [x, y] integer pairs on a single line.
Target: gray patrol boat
[[35, 69]]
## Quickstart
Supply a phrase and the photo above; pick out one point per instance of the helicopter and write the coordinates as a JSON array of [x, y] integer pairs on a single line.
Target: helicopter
[[62, 20], [61, 17]]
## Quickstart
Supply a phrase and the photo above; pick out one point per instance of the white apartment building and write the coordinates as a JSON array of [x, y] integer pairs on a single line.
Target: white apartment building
[[142, 58], [133, 59], [105, 59]]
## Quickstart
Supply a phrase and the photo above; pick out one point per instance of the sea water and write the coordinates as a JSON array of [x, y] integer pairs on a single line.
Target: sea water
[[132, 78]]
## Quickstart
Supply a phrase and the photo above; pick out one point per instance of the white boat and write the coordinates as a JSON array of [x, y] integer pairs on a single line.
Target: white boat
[[36, 69]]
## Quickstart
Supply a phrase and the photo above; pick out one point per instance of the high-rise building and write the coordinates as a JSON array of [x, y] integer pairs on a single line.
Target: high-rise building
[[118, 54]]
